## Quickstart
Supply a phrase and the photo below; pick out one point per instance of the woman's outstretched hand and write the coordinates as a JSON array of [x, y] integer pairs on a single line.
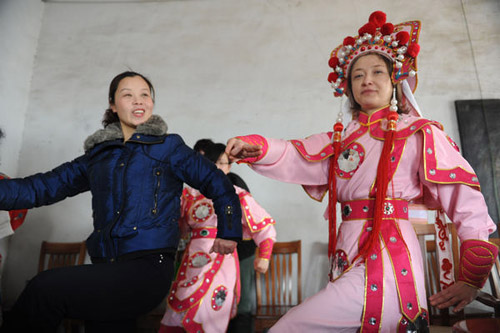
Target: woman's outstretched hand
[[237, 149], [458, 294], [223, 246]]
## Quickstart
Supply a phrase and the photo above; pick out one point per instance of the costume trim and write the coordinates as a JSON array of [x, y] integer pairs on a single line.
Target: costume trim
[[457, 175], [323, 154], [374, 290], [402, 269], [444, 251], [205, 232], [266, 248], [322, 192], [363, 209], [476, 259], [256, 140], [253, 225], [192, 300]]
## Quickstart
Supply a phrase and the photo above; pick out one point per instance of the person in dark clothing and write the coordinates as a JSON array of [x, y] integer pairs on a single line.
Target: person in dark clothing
[[135, 172]]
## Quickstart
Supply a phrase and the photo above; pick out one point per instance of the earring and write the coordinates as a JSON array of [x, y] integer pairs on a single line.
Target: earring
[[394, 101]]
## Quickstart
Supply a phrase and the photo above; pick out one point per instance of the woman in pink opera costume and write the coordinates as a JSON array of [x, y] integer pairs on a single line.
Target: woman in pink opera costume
[[205, 293], [387, 157]]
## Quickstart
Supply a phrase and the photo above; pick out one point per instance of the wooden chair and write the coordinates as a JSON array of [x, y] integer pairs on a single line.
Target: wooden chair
[[431, 267], [54, 255], [280, 288]]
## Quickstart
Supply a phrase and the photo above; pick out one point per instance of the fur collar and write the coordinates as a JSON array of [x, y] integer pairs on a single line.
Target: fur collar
[[154, 126]]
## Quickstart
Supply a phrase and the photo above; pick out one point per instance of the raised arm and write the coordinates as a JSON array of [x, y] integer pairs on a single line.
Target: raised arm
[[67, 180], [302, 162], [199, 173]]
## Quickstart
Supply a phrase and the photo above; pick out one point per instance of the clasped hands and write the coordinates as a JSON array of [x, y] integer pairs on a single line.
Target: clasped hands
[[237, 149]]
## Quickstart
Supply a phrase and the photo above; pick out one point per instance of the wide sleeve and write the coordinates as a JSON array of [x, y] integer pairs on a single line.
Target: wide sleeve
[[67, 180], [304, 161], [258, 224], [451, 183], [199, 173]]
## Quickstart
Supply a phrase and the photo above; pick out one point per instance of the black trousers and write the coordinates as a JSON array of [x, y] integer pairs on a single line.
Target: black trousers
[[109, 297]]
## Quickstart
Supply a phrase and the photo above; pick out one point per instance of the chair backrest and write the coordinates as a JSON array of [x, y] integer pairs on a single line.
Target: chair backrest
[[281, 285], [426, 234], [61, 255]]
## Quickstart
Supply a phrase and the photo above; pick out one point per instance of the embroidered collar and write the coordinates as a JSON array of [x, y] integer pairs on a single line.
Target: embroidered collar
[[376, 116]]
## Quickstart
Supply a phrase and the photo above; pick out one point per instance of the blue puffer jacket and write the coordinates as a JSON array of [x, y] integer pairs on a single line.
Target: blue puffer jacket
[[136, 188]]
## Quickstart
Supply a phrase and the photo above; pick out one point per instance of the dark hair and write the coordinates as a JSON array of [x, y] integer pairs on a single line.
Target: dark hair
[[111, 117], [1, 133], [202, 145], [214, 151], [355, 107]]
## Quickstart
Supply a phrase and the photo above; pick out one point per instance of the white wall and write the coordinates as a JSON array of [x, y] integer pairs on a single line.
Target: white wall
[[223, 68], [20, 23], [19, 28]]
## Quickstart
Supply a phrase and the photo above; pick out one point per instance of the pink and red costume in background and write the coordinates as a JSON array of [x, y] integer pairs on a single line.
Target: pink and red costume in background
[[205, 293], [384, 292]]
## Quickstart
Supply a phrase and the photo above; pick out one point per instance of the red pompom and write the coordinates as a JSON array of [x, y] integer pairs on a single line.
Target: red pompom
[[392, 116], [368, 28], [378, 18], [332, 77], [402, 37], [333, 62], [413, 50], [338, 127], [349, 41], [387, 29]]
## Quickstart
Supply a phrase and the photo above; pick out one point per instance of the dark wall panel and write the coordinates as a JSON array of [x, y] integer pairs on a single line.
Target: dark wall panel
[[479, 126]]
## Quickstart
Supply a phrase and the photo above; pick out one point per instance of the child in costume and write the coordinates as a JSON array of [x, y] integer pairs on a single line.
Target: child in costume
[[205, 293], [387, 157]]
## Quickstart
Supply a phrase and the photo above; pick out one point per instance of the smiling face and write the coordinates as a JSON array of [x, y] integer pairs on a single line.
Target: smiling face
[[133, 104], [371, 83]]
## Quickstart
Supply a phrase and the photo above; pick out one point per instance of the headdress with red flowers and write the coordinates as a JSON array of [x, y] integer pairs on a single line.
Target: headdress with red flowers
[[399, 43]]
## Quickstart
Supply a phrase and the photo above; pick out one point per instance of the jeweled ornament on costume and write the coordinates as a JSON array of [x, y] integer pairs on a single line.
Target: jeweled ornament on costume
[[339, 265], [388, 208], [219, 297], [202, 212], [189, 283], [199, 259], [348, 160]]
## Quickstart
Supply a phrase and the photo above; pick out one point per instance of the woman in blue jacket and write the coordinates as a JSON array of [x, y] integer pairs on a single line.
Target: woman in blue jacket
[[135, 172]]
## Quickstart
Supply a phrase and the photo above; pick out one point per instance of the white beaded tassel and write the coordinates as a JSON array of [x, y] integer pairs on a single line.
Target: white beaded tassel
[[394, 101], [340, 115]]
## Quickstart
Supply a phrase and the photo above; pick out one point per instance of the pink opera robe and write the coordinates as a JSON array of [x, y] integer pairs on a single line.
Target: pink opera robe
[[205, 293], [426, 166]]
